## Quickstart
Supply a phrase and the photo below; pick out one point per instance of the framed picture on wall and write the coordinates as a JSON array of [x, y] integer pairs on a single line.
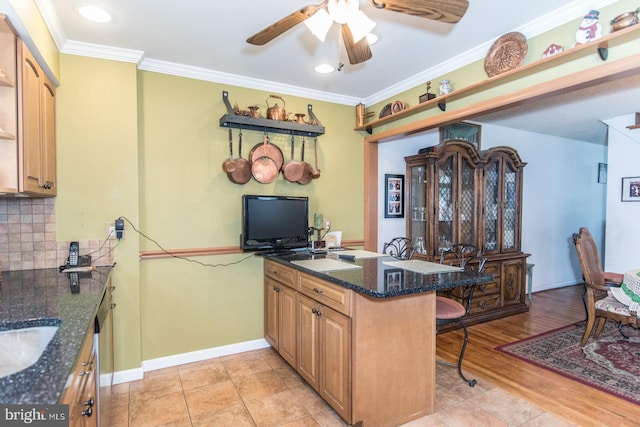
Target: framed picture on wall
[[461, 131], [602, 173], [631, 189], [393, 196]]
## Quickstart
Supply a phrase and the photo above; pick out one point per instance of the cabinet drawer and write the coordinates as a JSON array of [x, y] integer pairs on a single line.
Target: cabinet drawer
[[331, 295], [488, 288], [281, 273], [484, 304], [492, 268]]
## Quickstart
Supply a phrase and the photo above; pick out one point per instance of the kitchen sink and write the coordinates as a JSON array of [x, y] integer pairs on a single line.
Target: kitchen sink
[[21, 348]]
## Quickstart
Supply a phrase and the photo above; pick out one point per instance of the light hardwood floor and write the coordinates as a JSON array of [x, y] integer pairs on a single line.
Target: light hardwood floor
[[258, 388]]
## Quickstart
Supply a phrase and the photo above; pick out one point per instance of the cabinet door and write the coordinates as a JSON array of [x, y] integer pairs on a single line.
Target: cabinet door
[[511, 211], [308, 340], [417, 208], [512, 282], [502, 205], [271, 291], [455, 194], [335, 360], [287, 324], [48, 135], [30, 122]]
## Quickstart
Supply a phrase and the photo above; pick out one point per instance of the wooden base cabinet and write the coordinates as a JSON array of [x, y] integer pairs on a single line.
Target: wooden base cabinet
[[324, 349], [371, 359], [80, 393]]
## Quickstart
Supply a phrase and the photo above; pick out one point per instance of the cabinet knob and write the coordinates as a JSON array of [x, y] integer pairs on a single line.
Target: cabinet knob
[[89, 402], [316, 312], [87, 412], [318, 291], [113, 305]]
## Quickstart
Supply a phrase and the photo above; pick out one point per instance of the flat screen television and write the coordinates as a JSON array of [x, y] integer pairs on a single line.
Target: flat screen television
[[274, 223]]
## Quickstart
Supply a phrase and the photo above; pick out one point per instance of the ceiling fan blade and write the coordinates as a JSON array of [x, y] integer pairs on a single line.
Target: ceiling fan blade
[[450, 11], [357, 52], [285, 24]]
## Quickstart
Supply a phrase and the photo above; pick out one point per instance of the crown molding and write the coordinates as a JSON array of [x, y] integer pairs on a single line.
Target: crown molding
[[181, 70]]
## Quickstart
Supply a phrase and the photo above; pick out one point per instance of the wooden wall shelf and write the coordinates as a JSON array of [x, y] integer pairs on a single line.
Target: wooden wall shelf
[[599, 46]]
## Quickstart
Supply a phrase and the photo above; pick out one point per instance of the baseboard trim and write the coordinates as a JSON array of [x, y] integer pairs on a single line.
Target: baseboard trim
[[181, 359]]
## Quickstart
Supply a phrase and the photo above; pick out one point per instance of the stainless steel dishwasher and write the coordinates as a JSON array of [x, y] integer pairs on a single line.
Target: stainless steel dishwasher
[[103, 342]]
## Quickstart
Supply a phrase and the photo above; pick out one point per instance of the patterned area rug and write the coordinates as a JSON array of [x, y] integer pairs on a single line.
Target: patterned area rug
[[610, 364]]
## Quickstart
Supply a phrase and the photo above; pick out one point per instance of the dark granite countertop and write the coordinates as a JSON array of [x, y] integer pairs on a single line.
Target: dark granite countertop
[[44, 297], [379, 280]]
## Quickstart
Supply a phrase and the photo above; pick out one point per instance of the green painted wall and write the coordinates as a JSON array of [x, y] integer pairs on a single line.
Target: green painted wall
[[97, 160], [187, 201]]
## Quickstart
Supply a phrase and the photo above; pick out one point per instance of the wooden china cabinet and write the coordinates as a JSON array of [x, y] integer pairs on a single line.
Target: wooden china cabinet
[[456, 194]]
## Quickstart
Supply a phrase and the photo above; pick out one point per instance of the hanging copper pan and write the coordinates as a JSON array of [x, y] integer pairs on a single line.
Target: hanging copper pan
[[292, 169], [242, 172], [264, 168], [267, 149], [316, 171], [307, 170], [229, 164]]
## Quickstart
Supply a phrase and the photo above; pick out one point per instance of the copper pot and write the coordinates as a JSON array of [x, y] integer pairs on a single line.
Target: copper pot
[[276, 112]]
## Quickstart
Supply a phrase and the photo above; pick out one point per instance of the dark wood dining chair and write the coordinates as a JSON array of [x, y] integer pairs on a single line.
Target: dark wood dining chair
[[453, 305], [600, 305]]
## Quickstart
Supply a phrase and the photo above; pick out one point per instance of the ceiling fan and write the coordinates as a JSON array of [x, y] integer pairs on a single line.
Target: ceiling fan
[[352, 20]]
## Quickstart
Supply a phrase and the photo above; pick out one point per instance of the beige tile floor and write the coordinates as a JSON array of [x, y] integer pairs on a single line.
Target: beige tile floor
[[258, 388]]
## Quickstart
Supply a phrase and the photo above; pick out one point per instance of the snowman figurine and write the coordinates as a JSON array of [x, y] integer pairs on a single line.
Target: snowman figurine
[[590, 28]]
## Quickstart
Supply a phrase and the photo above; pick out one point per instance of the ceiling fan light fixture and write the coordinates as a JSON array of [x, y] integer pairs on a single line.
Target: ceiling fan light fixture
[[324, 69], [319, 24], [94, 13], [371, 38], [360, 25], [341, 10]]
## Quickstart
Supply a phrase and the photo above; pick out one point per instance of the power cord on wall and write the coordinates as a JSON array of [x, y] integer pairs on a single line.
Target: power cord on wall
[[178, 256]]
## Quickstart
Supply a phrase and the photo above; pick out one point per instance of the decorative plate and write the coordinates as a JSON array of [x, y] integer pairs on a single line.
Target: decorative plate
[[506, 53], [386, 111]]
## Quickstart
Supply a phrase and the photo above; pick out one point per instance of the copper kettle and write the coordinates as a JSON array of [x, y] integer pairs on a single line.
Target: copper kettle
[[276, 112]]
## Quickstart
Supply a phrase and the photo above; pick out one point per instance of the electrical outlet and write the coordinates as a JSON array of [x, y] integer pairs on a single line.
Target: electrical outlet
[[110, 230], [327, 224]]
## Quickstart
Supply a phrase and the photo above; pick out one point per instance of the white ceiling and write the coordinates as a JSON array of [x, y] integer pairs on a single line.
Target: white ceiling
[[206, 39]]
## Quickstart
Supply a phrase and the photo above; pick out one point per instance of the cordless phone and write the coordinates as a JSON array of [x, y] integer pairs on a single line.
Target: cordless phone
[[73, 254]]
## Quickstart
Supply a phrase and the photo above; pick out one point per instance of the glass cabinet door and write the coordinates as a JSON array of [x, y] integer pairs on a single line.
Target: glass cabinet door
[[501, 180], [492, 208], [445, 195], [418, 208], [467, 203], [510, 215]]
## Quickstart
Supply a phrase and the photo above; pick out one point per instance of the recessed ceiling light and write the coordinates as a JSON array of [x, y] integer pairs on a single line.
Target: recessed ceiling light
[[324, 69], [94, 13]]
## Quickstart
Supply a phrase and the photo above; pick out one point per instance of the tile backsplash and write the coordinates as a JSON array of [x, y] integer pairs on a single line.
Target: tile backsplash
[[28, 237]]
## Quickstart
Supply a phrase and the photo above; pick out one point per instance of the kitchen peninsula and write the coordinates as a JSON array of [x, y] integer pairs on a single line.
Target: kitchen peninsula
[[361, 332]]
